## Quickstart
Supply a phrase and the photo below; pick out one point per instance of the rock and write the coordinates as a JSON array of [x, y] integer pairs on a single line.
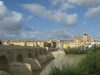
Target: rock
[[4, 73], [51, 56], [17, 68], [57, 54], [34, 63], [42, 59]]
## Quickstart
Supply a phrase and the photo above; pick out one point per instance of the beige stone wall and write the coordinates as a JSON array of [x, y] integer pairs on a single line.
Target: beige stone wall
[[17, 68], [20, 53], [12, 52], [98, 43], [19, 43], [27, 43]]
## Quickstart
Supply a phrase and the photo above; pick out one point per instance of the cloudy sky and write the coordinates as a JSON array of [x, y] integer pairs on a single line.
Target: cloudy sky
[[43, 19]]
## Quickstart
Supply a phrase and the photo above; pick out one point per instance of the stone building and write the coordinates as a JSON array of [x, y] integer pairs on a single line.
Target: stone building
[[26, 43], [78, 41], [97, 43], [36, 43]]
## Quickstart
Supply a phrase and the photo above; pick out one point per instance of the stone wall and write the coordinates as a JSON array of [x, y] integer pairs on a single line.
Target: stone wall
[[35, 56]]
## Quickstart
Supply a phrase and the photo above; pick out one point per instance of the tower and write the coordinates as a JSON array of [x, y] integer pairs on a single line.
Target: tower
[[85, 38]]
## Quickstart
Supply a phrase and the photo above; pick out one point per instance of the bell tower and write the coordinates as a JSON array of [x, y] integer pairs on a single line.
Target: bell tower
[[85, 38]]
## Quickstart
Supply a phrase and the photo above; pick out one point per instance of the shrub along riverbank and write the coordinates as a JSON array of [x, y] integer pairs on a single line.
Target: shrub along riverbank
[[90, 65], [80, 50]]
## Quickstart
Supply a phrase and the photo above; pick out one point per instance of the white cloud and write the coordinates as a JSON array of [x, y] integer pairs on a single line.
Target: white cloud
[[93, 12], [62, 4], [43, 34], [9, 20], [65, 18], [29, 17], [54, 2], [58, 16], [73, 3], [28, 35], [1, 3], [66, 6], [84, 2], [58, 34]]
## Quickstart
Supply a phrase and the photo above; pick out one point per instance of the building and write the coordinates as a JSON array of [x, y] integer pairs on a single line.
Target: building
[[78, 41], [26, 43], [97, 43]]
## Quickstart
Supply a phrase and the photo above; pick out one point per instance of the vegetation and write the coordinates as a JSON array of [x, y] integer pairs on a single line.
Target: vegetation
[[77, 50], [66, 70], [90, 65], [81, 50]]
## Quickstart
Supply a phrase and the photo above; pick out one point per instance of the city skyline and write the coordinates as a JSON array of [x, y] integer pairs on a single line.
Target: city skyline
[[41, 20]]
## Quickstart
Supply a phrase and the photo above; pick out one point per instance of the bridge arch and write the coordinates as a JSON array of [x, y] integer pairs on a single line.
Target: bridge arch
[[19, 58], [30, 55], [4, 65]]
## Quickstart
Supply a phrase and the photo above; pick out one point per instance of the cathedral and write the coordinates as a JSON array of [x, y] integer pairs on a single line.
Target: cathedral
[[78, 41]]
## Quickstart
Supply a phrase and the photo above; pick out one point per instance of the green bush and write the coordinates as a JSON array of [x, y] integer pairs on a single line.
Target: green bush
[[80, 50], [76, 50], [66, 70], [90, 65]]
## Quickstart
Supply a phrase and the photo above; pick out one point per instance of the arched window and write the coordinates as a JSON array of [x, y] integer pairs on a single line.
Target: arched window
[[4, 63], [0, 42], [30, 55], [19, 58]]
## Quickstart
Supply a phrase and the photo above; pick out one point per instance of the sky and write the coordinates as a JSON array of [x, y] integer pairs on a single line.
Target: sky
[[45, 19]]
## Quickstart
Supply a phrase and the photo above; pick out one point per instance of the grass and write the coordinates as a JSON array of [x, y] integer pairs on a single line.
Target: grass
[[90, 65], [66, 70], [80, 50], [77, 50], [69, 67]]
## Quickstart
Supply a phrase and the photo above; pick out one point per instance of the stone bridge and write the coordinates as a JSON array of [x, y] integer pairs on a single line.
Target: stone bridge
[[36, 55]]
